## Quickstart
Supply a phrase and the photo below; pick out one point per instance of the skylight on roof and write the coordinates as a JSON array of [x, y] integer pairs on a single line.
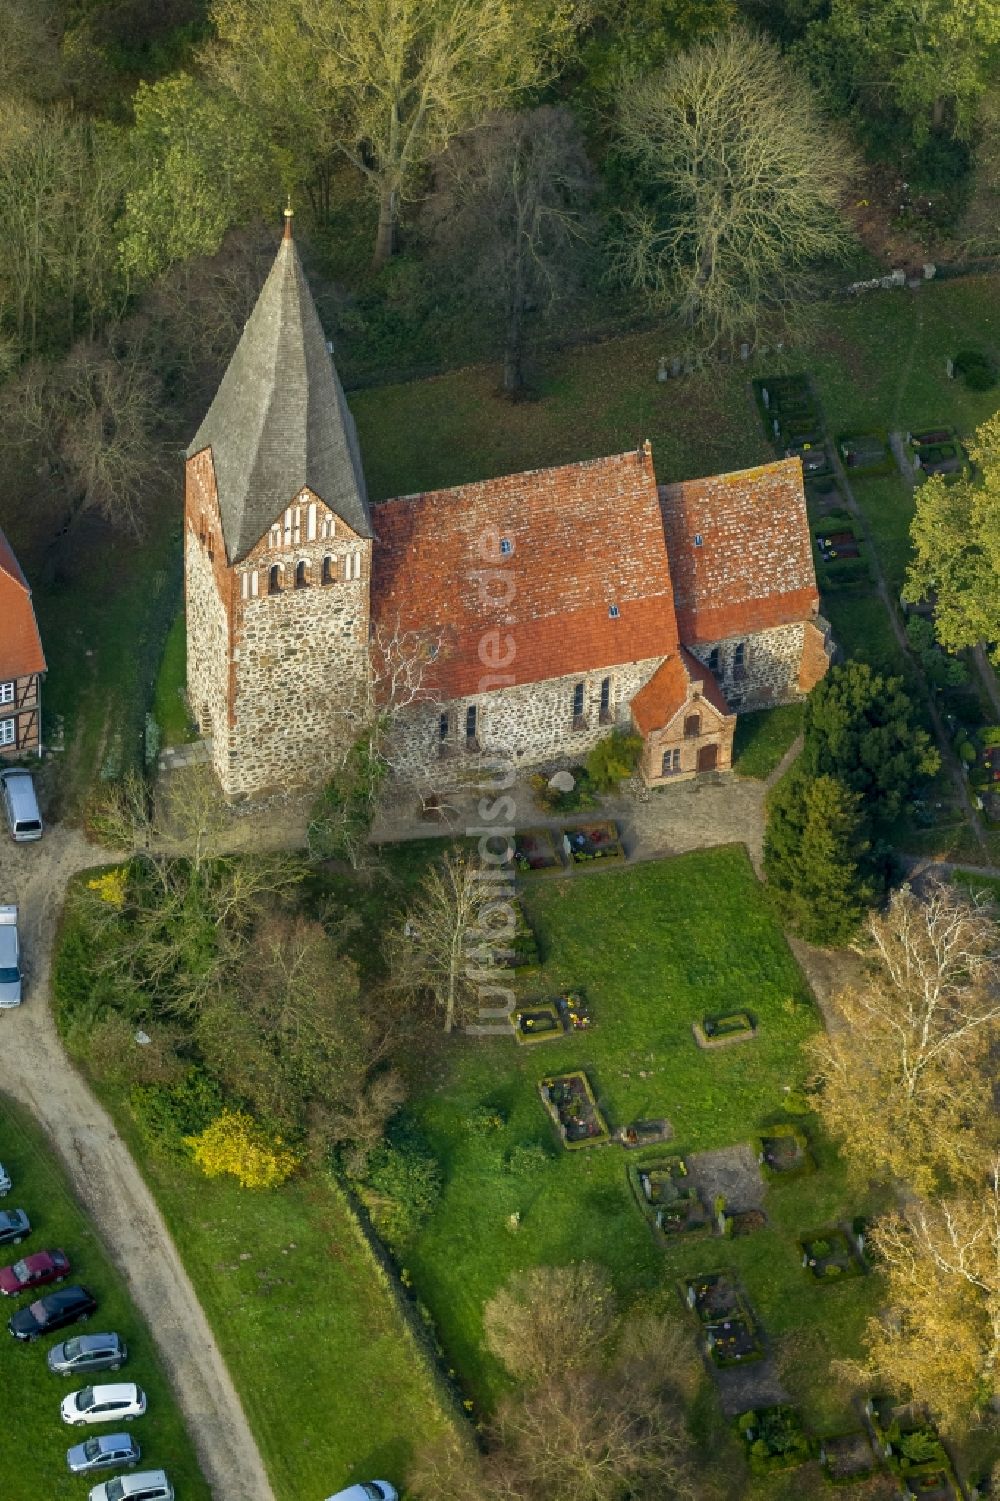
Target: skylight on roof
[[613, 612], [698, 539]]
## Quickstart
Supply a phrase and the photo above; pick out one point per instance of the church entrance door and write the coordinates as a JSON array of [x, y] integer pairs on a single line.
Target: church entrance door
[[708, 757]]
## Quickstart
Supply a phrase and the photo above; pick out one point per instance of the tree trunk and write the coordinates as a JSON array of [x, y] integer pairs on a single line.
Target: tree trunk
[[385, 239], [937, 112], [513, 351]]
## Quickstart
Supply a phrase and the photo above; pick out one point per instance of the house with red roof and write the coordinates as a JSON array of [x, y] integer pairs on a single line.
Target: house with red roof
[[22, 662], [526, 616]]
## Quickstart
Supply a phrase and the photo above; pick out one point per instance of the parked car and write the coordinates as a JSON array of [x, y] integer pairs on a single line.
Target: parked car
[[14, 1226], [103, 1404], [149, 1485], [368, 1490], [101, 1451], [67, 1305], [33, 1271], [87, 1352], [20, 805], [5, 1181], [10, 959]]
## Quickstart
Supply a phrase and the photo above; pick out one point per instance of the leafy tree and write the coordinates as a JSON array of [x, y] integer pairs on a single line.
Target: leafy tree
[[814, 850], [858, 727], [201, 164], [342, 814], [393, 82], [743, 181], [509, 204], [401, 1188], [928, 59], [956, 541], [635, 37], [433, 953], [613, 759], [234, 1144], [939, 668], [905, 1074]]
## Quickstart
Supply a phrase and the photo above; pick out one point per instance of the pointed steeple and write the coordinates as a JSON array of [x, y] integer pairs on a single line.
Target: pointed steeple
[[280, 420]]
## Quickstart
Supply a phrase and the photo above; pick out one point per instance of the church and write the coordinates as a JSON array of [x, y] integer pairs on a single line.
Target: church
[[532, 614]]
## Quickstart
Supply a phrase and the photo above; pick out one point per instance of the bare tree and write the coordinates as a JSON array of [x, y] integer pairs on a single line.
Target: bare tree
[[747, 180], [548, 1320], [905, 1075], [431, 953], [510, 203]]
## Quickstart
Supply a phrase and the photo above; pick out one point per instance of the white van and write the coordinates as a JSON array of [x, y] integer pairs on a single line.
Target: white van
[[20, 805], [150, 1485]]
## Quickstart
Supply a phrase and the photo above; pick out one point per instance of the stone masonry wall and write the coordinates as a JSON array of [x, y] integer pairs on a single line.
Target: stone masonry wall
[[770, 671], [207, 588], [532, 723], [300, 653]]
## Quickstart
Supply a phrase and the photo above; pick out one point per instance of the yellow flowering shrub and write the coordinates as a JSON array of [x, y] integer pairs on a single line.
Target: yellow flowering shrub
[[235, 1144], [111, 886]]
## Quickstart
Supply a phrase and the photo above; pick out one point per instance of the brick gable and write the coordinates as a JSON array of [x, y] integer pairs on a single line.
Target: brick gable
[[582, 539], [740, 552]]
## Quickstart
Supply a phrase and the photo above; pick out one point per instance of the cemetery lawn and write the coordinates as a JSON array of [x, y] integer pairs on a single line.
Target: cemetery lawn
[[332, 1385], [35, 1461], [653, 947], [761, 739]]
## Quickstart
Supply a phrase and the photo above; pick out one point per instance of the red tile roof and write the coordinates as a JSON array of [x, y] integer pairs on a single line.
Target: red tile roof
[[669, 689], [753, 567], [20, 644], [583, 538]]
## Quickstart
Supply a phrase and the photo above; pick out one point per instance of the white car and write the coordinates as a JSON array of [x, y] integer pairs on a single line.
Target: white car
[[149, 1485], [367, 1490], [104, 1404], [10, 959]]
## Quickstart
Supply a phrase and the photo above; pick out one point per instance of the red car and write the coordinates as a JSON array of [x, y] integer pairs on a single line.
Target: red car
[[32, 1271]]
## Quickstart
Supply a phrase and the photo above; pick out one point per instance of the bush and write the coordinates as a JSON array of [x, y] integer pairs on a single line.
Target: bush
[[233, 1143], [611, 760], [484, 1119], [169, 1114], [402, 1187], [526, 1158], [976, 368]]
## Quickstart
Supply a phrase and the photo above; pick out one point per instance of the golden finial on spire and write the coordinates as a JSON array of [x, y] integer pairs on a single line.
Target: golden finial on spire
[[289, 215]]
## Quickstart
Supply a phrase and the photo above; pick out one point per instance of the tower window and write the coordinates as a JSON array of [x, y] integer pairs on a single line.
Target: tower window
[[613, 612], [738, 659], [605, 700], [471, 724], [506, 546], [443, 727], [274, 579], [328, 575], [301, 574], [698, 539]]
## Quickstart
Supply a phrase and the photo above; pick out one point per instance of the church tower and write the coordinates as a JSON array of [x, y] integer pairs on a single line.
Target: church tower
[[277, 551]]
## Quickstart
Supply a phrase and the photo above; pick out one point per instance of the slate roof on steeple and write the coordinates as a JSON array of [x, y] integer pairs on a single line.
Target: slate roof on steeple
[[280, 420]]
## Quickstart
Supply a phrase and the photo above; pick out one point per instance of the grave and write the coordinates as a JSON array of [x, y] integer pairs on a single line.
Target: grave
[[723, 1028], [592, 841], [864, 453], [537, 1022], [535, 850], [729, 1328], [775, 1437], [830, 1255], [784, 1152], [571, 1103], [846, 1457]]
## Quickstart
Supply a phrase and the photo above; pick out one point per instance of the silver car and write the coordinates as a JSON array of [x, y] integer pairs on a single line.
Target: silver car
[[102, 1451], [10, 959], [87, 1352]]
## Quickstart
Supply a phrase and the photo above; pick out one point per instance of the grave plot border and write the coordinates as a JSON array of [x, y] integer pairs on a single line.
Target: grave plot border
[[706, 1041], [782, 1129], [604, 1133], [526, 1039], [856, 1266]]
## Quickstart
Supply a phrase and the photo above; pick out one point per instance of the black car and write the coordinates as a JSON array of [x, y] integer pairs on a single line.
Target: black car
[[14, 1226], [67, 1305]]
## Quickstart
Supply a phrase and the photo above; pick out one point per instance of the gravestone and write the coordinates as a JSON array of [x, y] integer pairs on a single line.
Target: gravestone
[[662, 373]]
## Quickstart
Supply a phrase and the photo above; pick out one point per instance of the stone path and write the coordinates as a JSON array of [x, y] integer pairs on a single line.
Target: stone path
[[35, 1071]]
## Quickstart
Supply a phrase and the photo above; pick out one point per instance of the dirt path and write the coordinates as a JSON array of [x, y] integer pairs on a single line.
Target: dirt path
[[35, 1070]]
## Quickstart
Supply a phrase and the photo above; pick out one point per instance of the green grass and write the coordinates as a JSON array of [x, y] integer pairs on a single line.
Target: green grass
[[654, 947], [762, 739], [169, 707], [37, 1440], [331, 1382]]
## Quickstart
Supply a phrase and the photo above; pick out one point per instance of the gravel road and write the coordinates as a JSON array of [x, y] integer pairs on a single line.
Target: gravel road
[[35, 1070]]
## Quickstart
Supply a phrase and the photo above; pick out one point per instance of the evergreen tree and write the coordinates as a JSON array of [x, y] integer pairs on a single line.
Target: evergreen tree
[[859, 729], [814, 857]]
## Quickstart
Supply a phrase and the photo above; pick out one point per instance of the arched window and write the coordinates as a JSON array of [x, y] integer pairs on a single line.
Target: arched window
[[274, 579], [328, 575], [692, 726], [301, 574]]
